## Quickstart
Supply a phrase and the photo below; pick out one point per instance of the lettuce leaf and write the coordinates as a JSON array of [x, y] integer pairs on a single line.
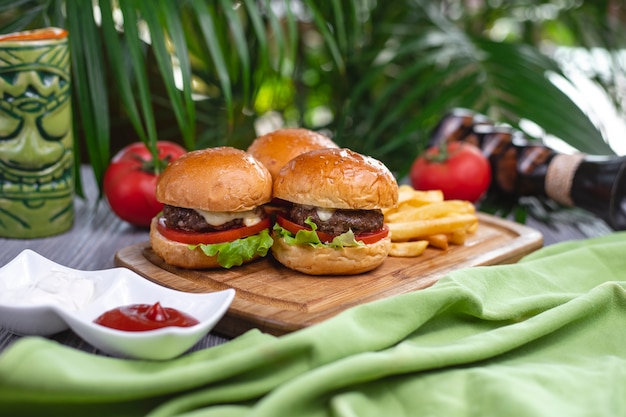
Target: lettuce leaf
[[309, 237], [238, 251]]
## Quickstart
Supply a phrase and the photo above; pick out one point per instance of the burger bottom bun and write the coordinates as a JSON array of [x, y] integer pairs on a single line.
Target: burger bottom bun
[[328, 261], [179, 254]]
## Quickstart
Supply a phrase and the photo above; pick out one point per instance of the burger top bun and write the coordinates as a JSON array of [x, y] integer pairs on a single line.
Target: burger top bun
[[276, 148], [215, 179], [337, 178]]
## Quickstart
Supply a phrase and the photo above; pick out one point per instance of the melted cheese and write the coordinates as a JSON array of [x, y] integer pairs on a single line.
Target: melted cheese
[[324, 214], [217, 218]]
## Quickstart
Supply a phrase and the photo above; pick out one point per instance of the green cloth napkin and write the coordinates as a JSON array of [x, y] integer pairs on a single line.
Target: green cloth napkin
[[543, 337]]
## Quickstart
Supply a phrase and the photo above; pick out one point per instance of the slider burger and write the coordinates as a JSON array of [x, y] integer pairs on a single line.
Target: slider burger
[[335, 223], [212, 215], [276, 148]]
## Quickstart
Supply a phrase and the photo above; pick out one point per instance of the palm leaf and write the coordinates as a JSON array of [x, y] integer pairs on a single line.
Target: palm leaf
[[17, 15], [207, 25], [90, 106], [241, 46], [116, 53], [329, 39], [163, 58], [521, 74], [262, 64], [136, 55], [173, 21], [341, 32], [508, 81]]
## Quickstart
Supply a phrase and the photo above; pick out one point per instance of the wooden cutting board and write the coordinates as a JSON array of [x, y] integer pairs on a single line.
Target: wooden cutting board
[[278, 300]]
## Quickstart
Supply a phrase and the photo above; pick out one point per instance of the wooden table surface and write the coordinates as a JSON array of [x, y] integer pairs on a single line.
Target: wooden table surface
[[98, 234]]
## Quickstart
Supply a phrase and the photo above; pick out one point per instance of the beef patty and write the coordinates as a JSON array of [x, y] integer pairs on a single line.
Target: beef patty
[[191, 221], [360, 221]]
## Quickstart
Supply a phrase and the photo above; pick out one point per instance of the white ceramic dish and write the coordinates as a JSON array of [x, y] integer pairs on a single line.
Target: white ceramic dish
[[93, 293]]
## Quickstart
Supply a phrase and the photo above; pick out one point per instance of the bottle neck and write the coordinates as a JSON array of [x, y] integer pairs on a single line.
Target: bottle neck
[[594, 183], [560, 177]]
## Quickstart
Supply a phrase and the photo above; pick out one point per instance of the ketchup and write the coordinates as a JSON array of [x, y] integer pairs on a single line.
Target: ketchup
[[143, 317]]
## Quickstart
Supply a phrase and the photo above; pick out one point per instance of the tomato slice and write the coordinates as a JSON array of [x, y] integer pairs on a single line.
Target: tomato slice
[[207, 238], [367, 238], [373, 237], [295, 228]]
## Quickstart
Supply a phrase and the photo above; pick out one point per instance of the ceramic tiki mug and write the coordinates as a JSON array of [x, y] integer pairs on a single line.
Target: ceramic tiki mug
[[36, 137]]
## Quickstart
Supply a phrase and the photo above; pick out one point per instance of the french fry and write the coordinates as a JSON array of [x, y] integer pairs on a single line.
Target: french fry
[[432, 210], [410, 230], [473, 227], [439, 241], [408, 249], [408, 193], [409, 197], [457, 237], [424, 218]]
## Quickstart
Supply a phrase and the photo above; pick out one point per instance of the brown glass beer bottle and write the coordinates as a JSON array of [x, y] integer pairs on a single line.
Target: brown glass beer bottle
[[523, 167]]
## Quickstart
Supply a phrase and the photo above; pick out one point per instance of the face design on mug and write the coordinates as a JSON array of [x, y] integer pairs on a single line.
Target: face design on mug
[[36, 139]]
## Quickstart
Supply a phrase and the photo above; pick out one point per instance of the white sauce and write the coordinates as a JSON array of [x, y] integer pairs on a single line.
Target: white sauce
[[52, 287], [324, 214], [216, 218]]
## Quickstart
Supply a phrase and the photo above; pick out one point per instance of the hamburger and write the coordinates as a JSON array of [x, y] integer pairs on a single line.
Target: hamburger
[[334, 224], [276, 148], [212, 215]]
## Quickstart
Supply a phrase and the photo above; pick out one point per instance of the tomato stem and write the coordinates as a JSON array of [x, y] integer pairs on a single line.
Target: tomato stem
[[154, 166], [441, 156]]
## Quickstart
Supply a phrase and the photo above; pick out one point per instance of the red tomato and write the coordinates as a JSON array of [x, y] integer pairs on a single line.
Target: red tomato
[[367, 238], [212, 237], [130, 181], [461, 171]]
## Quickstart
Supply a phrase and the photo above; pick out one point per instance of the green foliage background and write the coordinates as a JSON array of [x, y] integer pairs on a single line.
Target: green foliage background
[[374, 75]]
